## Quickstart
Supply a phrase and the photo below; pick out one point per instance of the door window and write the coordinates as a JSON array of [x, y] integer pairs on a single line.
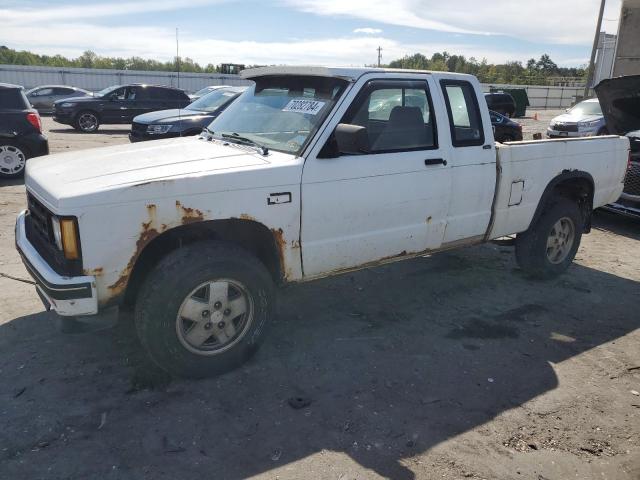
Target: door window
[[464, 113], [125, 93], [44, 91], [397, 116]]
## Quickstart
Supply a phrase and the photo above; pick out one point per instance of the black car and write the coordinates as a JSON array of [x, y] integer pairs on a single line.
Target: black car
[[505, 129], [20, 132], [183, 122], [118, 104], [501, 102]]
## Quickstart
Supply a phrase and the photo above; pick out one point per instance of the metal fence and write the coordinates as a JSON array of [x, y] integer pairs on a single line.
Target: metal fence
[[94, 79], [542, 97]]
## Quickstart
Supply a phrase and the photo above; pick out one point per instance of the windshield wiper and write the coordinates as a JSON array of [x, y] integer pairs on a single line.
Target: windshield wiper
[[247, 141]]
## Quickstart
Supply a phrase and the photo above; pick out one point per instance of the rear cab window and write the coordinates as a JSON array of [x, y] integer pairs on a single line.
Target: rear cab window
[[397, 116], [465, 120]]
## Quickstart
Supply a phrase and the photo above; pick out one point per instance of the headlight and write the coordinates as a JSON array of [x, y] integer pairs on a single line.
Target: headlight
[[65, 234], [67, 104], [158, 129], [593, 124]]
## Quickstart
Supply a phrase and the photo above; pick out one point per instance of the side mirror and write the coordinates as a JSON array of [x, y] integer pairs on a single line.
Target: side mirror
[[351, 139]]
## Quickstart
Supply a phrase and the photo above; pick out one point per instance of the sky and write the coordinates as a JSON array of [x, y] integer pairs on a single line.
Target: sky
[[323, 32]]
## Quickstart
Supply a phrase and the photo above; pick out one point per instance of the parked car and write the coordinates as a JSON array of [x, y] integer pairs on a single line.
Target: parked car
[[505, 129], [117, 104], [202, 92], [620, 98], [21, 135], [501, 102], [295, 181], [585, 119], [42, 97], [183, 122]]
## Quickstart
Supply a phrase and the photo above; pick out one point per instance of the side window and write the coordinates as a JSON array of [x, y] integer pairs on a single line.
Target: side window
[[397, 116], [45, 91], [62, 91], [464, 113]]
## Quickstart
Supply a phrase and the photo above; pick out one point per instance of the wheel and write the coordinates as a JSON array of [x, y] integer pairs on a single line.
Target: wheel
[[87, 122], [13, 160], [202, 310], [550, 245]]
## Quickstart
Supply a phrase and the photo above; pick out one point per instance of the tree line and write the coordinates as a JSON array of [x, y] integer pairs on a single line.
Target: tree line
[[535, 72]]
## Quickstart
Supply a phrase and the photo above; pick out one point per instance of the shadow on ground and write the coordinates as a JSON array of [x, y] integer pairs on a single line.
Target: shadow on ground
[[393, 362]]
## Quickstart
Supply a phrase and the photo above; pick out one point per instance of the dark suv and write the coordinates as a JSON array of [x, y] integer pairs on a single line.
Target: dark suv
[[501, 102], [20, 132], [118, 104]]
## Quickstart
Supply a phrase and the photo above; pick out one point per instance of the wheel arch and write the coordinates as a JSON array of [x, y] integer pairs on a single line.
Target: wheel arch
[[576, 185], [251, 235]]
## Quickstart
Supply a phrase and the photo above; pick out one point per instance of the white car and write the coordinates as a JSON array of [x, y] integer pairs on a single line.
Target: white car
[[584, 119], [302, 177]]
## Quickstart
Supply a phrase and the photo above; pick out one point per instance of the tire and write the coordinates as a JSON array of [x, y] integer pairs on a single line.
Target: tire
[[87, 121], [13, 159], [535, 255], [189, 284]]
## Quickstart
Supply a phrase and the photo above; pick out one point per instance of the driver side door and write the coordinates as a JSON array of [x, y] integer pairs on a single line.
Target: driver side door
[[389, 202]]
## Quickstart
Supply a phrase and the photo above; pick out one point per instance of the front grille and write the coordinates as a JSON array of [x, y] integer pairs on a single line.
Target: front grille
[[39, 231], [565, 127], [632, 180]]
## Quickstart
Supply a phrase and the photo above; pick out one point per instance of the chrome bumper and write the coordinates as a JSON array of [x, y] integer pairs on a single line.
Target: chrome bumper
[[68, 296]]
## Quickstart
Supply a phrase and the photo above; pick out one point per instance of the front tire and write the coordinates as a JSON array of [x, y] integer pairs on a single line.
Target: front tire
[[549, 246], [87, 122], [13, 160], [203, 309]]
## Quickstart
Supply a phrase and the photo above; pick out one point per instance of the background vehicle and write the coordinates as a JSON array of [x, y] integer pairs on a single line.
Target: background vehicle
[[585, 119], [42, 97], [118, 104], [20, 132], [183, 122], [505, 129], [302, 177], [501, 102], [202, 92], [620, 98]]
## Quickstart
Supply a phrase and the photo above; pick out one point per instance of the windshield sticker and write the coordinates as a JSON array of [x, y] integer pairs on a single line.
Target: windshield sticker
[[310, 107]]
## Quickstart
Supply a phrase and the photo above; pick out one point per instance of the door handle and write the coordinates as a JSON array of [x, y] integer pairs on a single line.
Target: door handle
[[435, 161], [487, 147]]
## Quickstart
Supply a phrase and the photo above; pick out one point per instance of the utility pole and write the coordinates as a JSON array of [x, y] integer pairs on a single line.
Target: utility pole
[[596, 40], [379, 55], [177, 58]]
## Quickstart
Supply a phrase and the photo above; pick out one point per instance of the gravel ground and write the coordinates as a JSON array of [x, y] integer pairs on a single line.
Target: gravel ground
[[448, 366]]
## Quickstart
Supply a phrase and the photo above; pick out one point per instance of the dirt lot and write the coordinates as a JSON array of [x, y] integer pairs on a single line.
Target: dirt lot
[[449, 366]]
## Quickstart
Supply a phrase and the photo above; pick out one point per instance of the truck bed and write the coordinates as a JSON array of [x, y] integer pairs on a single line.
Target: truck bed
[[525, 169]]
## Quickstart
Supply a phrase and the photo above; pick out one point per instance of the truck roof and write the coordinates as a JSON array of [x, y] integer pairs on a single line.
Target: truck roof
[[349, 73]]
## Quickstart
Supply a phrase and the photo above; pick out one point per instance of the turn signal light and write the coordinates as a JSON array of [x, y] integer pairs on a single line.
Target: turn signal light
[[69, 239]]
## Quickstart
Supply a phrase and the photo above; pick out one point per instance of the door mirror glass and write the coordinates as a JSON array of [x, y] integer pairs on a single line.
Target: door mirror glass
[[351, 139]]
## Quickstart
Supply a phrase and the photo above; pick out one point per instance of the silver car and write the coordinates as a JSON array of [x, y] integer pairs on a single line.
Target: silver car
[[584, 119], [42, 97]]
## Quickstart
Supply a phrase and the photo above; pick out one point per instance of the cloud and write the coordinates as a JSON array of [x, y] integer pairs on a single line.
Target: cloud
[[543, 21], [368, 30]]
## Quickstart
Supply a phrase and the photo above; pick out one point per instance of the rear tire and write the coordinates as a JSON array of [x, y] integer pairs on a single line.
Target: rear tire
[[203, 309], [87, 122], [549, 246], [13, 159]]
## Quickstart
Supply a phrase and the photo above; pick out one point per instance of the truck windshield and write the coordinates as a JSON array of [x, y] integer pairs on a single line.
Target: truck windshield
[[280, 112]]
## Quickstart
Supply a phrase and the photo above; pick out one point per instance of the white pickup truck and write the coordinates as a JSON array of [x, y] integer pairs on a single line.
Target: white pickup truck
[[311, 172]]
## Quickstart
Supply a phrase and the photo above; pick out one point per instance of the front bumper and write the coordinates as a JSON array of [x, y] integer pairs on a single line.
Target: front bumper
[[551, 133], [136, 136], [68, 296]]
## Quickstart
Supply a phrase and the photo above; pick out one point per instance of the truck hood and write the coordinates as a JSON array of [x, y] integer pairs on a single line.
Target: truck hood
[[620, 101], [116, 174]]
